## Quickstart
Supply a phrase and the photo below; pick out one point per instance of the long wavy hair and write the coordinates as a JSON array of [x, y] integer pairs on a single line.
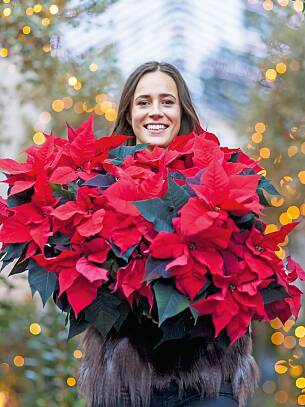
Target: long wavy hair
[[189, 117]]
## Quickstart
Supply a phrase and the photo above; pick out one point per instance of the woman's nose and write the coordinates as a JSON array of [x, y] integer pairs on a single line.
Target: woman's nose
[[156, 110]]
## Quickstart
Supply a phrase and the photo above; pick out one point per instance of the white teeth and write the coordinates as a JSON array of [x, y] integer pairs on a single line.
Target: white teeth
[[155, 127]]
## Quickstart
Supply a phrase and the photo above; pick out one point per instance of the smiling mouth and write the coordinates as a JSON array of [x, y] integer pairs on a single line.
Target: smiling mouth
[[156, 128]]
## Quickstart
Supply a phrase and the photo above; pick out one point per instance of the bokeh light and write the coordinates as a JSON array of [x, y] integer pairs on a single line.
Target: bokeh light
[[7, 12], [35, 328], [71, 381], [18, 361], [271, 74], [53, 8], [78, 354], [26, 29], [39, 138]]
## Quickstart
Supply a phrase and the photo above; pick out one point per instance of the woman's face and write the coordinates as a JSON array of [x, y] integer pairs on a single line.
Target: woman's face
[[155, 111]]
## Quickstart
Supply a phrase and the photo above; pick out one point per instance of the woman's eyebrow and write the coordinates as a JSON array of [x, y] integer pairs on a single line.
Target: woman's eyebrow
[[161, 94]]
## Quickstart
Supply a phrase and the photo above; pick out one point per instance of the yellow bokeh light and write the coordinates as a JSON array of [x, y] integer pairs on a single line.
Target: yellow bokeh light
[[35, 329], [302, 342], [303, 147], [7, 12], [277, 201], [93, 67], [78, 354], [281, 68], [105, 105], [300, 383], [98, 110], [111, 115], [68, 102], [26, 29], [298, 6], [78, 107], [3, 52], [37, 8], [46, 48], [285, 218], [277, 338], [300, 331], [58, 105], [281, 367], [301, 176], [72, 80], [39, 138], [292, 150], [268, 5], [271, 74], [271, 228], [283, 3], [288, 325], [276, 323], [290, 342], [293, 211], [71, 381], [257, 137], [18, 361], [6, 1], [302, 209], [29, 11], [77, 86], [260, 127], [45, 22], [281, 397], [53, 9], [301, 399], [295, 371], [264, 152]]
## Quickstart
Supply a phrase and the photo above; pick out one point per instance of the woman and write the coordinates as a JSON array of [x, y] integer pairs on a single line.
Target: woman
[[127, 369]]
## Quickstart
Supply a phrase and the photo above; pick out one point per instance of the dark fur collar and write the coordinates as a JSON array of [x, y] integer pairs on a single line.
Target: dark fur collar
[[119, 365]]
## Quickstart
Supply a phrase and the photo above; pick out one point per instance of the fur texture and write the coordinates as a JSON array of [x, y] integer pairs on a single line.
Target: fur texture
[[123, 369]]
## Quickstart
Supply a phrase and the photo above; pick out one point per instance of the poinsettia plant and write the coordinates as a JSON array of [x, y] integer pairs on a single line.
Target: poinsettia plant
[[172, 234]]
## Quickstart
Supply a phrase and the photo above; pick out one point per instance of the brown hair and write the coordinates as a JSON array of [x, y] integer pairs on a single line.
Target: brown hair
[[189, 117]]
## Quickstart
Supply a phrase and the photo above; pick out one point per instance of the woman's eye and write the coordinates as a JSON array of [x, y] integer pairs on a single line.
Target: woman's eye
[[142, 102], [168, 102]]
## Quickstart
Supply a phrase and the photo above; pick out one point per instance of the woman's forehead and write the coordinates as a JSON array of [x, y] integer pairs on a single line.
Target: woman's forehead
[[156, 83]]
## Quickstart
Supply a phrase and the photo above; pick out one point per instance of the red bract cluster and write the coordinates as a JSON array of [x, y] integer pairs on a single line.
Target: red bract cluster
[[168, 232]]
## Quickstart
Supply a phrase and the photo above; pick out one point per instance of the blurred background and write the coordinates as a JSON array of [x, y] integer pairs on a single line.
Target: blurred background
[[244, 61]]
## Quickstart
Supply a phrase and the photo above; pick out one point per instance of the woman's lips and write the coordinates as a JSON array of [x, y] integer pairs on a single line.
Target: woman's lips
[[155, 132]]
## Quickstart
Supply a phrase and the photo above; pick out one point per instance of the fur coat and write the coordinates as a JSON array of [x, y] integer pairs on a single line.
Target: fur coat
[[128, 366]]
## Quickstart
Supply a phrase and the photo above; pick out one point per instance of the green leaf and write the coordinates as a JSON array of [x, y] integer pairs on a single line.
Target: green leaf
[[76, 326], [156, 211], [103, 312], [19, 268], [13, 251], [41, 280], [267, 186], [176, 328], [124, 309], [120, 153], [155, 268], [274, 292], [169, 301], [176, 196], [262, 199]]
